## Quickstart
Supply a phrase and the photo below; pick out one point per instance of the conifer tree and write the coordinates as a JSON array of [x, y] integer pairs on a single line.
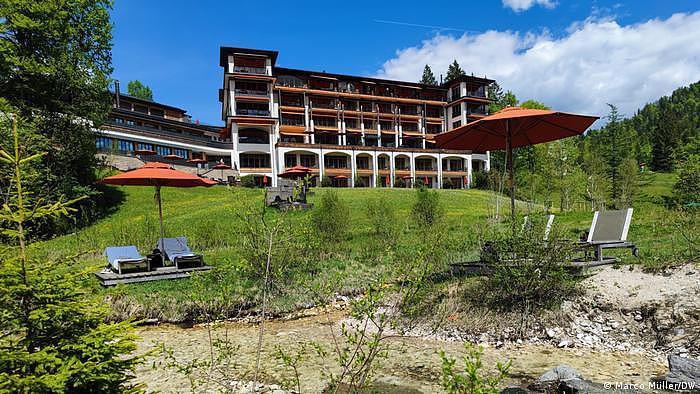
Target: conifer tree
[[54, 339], [454, 71], [428, 76], [139, 90]]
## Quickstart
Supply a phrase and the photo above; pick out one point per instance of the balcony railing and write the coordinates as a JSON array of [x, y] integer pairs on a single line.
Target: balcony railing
[[250, 70], [253, 112], [176, 136], [250, 92]]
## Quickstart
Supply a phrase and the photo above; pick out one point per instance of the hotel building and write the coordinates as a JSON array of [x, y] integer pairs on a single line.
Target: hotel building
[[355, 131]]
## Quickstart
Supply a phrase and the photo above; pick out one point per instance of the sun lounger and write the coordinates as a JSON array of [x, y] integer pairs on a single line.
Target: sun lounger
[[609, 231], [177, 251], [123, 258]]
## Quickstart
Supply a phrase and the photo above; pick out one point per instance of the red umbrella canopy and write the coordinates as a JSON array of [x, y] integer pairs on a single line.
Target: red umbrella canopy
[[196, 161], [340, 177], [221, 166], [300, 169], [157, 174], [527, 127], [145, 152]]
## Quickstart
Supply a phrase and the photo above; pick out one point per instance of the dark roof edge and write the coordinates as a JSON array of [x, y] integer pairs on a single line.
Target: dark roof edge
[[150, 102], [371, 79], [225, 51]]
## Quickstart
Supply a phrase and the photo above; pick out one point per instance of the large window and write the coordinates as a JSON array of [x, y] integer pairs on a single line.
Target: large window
[[412, 142], [162, 150], [326, 138], [325, 121], [402, 163], [255, 160], [142, 146], [433, 128], [253, 136], [292, 100], [292, 120], [424, 165], [456, 92], [456, 124], [157, 112], [308, 160], [290, 160], [182, 153], [353, 139], [362, 162], [292, 138], [336, 162], [103, 143], [255, 109], [125, 146], [456, 110]]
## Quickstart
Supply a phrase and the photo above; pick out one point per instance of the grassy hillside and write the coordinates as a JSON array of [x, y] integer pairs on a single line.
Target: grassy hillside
[[210, 216]]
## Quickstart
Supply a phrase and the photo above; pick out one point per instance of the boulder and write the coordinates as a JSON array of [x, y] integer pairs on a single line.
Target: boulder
[[565, 379], [683, 374]]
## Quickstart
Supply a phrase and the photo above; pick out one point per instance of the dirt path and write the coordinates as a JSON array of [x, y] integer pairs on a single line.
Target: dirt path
[[413, 364]]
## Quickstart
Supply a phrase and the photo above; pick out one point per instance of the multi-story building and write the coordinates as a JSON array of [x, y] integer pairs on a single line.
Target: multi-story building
[[352, 130]]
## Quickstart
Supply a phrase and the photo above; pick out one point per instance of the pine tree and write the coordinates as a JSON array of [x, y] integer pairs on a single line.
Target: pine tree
[[54, 339], [428, 76], [139, 90], [454, 71]]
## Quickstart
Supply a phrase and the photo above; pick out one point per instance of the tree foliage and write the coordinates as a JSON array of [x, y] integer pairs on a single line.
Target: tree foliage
[[137, 89], [54, 338], [428, 76], [55, 62], [454, 71]]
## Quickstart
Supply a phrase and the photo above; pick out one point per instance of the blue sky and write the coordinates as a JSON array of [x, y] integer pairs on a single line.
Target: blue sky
[[173, 46]]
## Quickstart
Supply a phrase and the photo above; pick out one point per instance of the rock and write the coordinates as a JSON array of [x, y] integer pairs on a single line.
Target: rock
[[565, 379], [551, 333], [564, 343], [683, 374], [514, 390]]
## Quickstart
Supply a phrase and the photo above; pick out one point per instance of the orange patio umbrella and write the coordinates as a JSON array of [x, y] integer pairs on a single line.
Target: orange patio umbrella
[[296, 171], [221, 166], [173, 157], [514, 127], [158, 175]]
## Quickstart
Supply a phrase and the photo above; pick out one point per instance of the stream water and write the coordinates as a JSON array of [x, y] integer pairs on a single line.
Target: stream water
[[413, 365]]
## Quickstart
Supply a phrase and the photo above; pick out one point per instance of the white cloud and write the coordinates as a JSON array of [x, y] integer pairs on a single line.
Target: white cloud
[[524, 5], [597, 62]]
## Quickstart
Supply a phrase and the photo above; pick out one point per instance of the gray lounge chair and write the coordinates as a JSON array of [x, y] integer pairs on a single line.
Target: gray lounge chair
[[122, 258], [609, 231], [177, 251]]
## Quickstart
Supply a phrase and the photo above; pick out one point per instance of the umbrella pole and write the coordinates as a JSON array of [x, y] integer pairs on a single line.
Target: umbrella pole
[[509, 164], [160, 215]]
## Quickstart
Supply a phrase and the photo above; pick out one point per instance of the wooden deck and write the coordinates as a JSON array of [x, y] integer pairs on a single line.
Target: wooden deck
[[109, 278]]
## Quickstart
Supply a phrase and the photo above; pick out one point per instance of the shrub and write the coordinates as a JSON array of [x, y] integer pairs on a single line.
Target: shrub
[[531, 276], [359, 182], [331, 217], [248, 181], [480, 179], [687, 188], [473, 380], [447, 183], [399, 182], [326, 181], [426, 209], [381, 215]]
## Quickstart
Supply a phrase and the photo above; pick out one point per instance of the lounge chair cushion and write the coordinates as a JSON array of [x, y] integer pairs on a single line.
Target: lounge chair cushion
[[176, 249], [610, 226], [118, 255]]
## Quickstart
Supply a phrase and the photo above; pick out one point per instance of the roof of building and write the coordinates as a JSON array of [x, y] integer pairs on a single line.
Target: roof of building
[[468, 78], [281, 70], [225, 51], [150, 102]]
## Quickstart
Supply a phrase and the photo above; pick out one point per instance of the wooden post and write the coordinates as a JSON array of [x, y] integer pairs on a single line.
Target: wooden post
[[160, 215], [509, 165]]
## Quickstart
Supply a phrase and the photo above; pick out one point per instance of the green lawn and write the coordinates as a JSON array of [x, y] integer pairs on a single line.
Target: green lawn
[[210, 216]]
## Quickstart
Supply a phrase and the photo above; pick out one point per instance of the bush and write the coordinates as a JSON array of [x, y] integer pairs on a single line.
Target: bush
[[399, 182], [687, 187], [473, 380], [359, 182], [447, 183], [381, 216], [326, 181], [248, 181], [331, 217], [480, 179], [527, 273], [426, 209]]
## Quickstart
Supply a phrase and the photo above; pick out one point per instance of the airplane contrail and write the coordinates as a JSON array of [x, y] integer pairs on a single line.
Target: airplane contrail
[[423, 26]]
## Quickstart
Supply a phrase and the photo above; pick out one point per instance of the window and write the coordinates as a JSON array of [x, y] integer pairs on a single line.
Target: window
[[412, 142], [389, 141], [424, 164], [336, 162], [325, 121], [402, 163], [292, 138], [125, 146], [456, 110], [409, 126], [118, 120], [253, 136], [326, 138], [157, 112], [371, 140], [353, 140], [255, 109], [290, 160], [350, 105], [162, 150], [182, 153], [308, 160], [456, 92], [433, 111], [385, 108], [362, 162], [433, 128], [383, 163], [351, 123], [386, 125], [140, 108], [142, 146], [292, 100], [255, 160], [130, 123], [292, 120], [456, 124], [125, 105], [103, 143]]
